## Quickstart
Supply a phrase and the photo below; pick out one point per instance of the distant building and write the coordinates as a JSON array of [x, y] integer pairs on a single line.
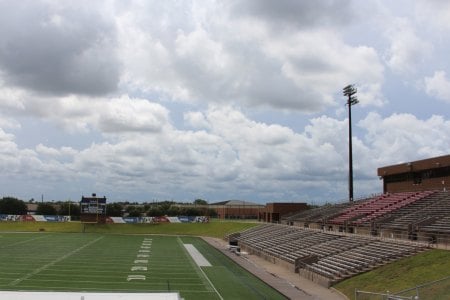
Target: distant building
[[93, 209], [421, 175], [31, 208], [272, 212], [236, 209]]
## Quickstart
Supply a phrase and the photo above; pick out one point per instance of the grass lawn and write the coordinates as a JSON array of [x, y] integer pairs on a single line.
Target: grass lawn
[[403, 274], [122, 263], [213, 229]]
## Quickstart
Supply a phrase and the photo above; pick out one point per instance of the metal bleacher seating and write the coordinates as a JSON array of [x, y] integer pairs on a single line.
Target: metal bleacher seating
[[377, 207], [433, 207], [336, 256]]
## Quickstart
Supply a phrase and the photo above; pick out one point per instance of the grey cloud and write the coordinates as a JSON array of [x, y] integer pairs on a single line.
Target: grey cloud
[[296, 13], [56, 50]]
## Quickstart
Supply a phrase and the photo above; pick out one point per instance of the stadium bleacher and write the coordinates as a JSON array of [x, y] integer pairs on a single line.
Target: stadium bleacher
[[397, 211], [329, 255], [318, 242], [377, 207]]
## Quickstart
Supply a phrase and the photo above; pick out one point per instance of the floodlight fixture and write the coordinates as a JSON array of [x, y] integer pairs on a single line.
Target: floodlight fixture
[[349, 90]]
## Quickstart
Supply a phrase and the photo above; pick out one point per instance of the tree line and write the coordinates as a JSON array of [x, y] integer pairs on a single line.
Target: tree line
[[14, 206]]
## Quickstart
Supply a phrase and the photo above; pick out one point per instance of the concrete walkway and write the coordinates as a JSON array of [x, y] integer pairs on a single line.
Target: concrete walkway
[[290, 284]]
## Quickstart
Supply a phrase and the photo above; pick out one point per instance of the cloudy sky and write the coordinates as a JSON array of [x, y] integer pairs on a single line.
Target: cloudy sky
[[231, 99]]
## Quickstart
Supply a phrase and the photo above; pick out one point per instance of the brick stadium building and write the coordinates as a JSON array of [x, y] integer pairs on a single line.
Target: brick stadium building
[[236, 209], [421, 175], [271, 212]]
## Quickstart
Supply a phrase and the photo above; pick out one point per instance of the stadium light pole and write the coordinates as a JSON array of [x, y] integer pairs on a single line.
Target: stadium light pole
[[350, 91]]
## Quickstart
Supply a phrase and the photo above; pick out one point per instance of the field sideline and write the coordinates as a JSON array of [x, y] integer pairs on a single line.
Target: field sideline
[[122, 263]]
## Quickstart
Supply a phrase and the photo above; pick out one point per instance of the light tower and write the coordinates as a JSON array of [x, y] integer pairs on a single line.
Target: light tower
[[349, 91]]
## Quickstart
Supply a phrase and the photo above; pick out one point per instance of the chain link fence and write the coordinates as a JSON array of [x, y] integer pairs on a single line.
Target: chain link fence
[[364, 295], [435, 290]]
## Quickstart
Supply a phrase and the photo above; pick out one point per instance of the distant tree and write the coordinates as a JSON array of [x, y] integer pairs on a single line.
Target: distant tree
[[155, 211], [211, 213], [134, 210], [12, 206], [165, 205], [45, 209], [65, 210], [173, 211], [114, 209], [134, 213], [191, 211], [200, 202]]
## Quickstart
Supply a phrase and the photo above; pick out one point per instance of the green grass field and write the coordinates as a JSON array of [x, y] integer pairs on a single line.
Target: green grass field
[[114, 263], [58, 257], [213, 229]]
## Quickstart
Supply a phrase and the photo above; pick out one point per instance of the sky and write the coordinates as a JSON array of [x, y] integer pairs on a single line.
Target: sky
[[218, 100]]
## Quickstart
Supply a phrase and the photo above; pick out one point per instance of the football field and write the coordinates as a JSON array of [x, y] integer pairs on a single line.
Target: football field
[[74, 262]]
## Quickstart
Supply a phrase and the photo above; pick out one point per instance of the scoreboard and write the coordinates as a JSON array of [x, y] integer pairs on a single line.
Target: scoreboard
[[93, 207]]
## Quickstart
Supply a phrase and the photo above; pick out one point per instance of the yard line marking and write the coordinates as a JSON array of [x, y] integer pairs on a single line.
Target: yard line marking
[[22, 242], [197, 267], [135, 277], [141, 261], [38, 270]]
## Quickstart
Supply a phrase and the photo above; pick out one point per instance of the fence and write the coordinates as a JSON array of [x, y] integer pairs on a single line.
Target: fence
[[363, 295], [434, 290]]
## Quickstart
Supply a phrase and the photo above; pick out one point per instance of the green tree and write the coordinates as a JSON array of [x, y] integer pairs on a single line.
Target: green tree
[[65, 210], [200, 202], [173, 211], [211, 213], [134, 213], [114, 209], [45, 209], [155, 211], [12, 206]]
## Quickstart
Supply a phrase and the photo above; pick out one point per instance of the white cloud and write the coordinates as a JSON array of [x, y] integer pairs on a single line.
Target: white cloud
[[47, 151], [83, 114], [407, 50], [438, 86], [195, 119], [131, 115], [230, 154], [434, 12], [319, 62], [58, 49], [216, 57], [404, 137]]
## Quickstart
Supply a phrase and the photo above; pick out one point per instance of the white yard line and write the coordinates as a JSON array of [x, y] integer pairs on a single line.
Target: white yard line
[[22, 242], [199, 268], [38, 270]]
